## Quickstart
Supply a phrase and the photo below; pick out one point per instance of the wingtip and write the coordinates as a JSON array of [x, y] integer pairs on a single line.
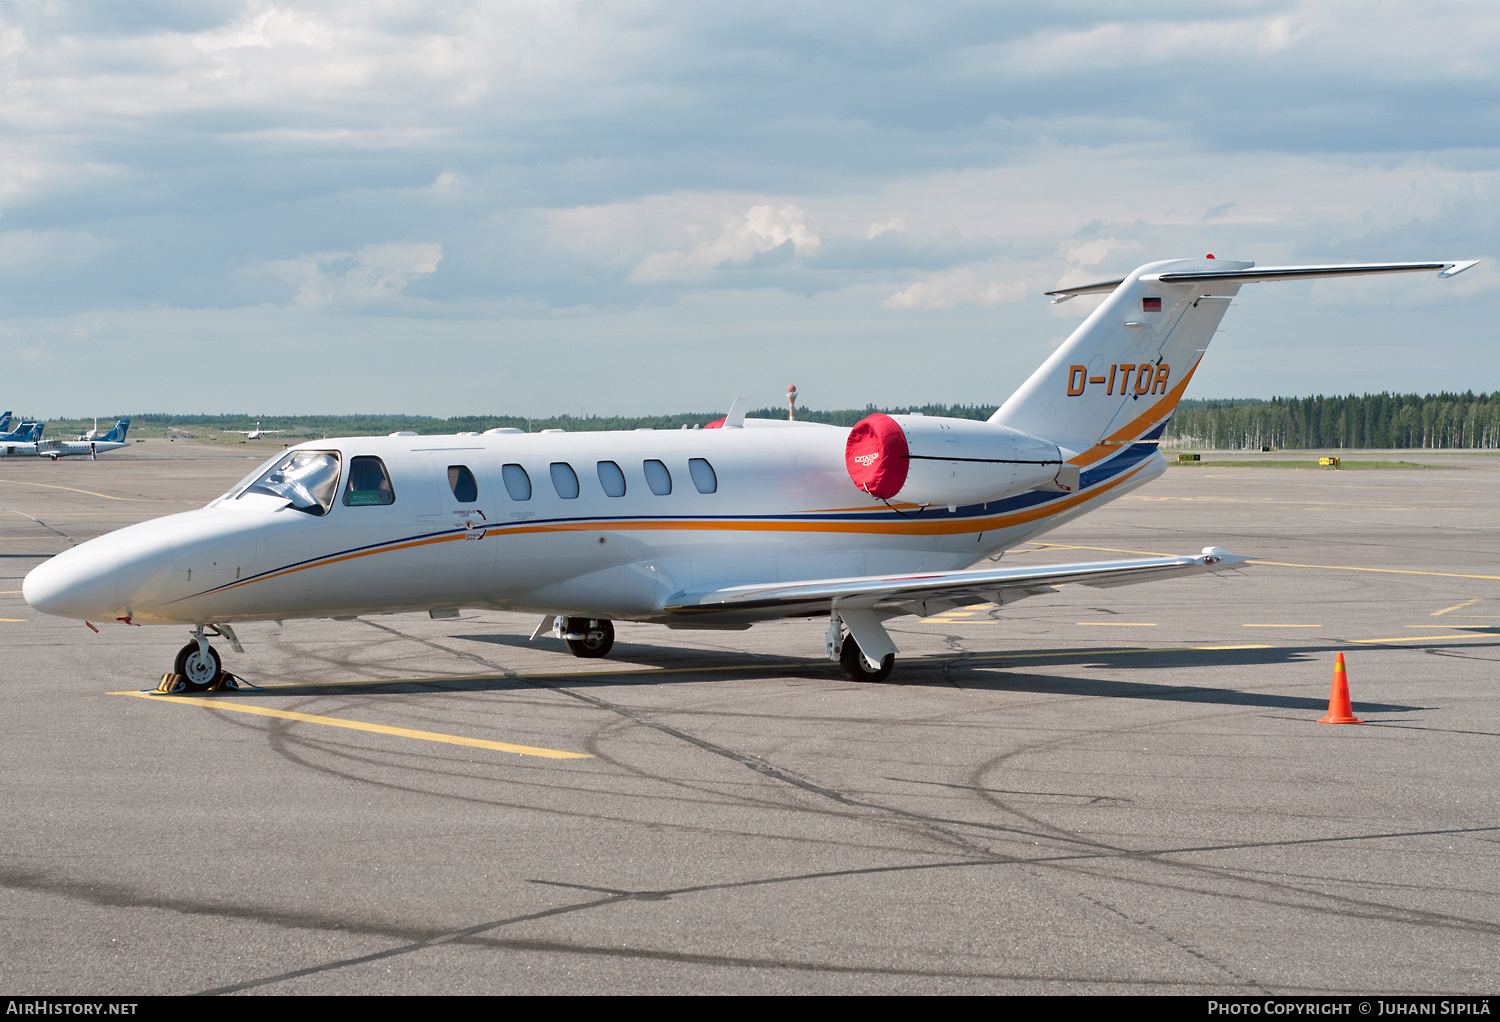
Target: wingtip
[[1454, 269]]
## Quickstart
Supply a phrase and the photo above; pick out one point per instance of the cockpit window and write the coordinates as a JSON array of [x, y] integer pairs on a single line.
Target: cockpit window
[[308, 479], [369, 482]]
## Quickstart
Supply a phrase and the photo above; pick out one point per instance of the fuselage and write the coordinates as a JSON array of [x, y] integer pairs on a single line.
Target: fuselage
[[538, 522], [60, 448]]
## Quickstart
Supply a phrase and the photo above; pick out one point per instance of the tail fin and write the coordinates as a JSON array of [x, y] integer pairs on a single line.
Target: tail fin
[[117, 434], [36, 431], [1124, 369], [5, 423], [1120, 375]]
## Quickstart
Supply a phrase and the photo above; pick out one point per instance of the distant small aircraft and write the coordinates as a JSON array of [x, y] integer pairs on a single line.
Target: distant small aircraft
[[92, 434], [745, 520], [254, 434], [30, 444]]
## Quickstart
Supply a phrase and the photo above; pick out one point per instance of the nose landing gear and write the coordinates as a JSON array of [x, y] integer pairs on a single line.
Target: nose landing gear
[[197, 667]]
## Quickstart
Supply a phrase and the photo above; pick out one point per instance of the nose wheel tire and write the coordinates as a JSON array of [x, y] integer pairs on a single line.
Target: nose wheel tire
[[197, 671], [857, 668], [588, 637]]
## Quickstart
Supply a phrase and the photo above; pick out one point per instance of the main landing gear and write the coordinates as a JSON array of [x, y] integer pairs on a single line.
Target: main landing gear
[[587, 636], [857, 639], [197, 667], [857, 668]]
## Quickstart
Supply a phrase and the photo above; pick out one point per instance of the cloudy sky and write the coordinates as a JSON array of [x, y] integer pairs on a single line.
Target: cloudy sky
[[448, 207]]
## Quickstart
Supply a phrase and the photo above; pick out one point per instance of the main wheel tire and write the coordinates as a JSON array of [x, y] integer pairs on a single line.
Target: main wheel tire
[[856, 668], [198, 672], [599, 636]]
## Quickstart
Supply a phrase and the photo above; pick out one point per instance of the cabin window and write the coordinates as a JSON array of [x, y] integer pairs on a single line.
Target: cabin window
[[564, 480], [612, 479], [369, 482], [657, 477], [517, 482], [703, 475], [309, 479], [461, 482]]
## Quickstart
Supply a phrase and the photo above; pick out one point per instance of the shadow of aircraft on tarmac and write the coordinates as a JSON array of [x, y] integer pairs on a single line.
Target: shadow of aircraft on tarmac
[[998, 672]]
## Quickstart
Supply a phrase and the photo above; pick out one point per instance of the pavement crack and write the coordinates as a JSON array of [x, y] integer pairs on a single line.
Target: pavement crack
[[23, 514]]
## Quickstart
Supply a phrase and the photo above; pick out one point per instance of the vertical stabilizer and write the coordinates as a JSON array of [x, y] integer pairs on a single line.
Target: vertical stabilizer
[[1122, 372]]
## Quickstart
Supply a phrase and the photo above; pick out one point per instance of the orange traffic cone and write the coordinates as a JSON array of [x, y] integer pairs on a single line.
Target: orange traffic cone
[[1339, 710]]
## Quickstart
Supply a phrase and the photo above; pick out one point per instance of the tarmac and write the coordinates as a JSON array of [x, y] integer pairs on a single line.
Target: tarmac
[[1095, 791]]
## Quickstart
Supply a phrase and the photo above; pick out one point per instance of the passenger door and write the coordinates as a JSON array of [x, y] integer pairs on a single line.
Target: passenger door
[[466, 558]]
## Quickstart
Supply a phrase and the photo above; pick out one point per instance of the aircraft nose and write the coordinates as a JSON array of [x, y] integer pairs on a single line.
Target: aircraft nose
[[75, 584]]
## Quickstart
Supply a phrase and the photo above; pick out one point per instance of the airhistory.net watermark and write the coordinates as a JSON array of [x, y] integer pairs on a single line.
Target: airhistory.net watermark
[[68, 1006]]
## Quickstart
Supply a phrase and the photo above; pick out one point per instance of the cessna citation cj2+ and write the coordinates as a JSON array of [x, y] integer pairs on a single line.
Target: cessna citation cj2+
[[711, 528]]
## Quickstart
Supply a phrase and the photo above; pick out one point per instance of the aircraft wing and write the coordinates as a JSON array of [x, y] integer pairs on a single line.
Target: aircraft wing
[[911, 593]]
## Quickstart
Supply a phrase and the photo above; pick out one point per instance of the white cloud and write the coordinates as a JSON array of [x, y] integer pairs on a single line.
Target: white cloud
[[374, 276], [762, 228], [962, 286]]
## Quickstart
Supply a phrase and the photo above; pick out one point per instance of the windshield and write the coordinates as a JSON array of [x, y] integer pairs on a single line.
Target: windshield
[[308, 479]]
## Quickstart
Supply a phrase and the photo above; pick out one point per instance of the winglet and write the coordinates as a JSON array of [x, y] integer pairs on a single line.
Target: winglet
[[1454, 269]]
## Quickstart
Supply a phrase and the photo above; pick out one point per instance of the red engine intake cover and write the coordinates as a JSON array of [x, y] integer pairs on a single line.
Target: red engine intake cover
[[876, 456]]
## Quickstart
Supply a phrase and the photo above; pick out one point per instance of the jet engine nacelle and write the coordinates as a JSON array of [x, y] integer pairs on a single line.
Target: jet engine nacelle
[[927, 459]]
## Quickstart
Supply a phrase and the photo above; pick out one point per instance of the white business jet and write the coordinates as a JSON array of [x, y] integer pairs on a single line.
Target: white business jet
[[711, 528]]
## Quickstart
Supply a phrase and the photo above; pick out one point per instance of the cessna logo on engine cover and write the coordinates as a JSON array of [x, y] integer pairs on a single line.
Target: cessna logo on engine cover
[[1149, 379], [866, 459]]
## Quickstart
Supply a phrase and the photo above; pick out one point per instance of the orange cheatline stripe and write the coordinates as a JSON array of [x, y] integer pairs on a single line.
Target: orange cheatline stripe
[[932, 528], [1138, 425], [341, 557]]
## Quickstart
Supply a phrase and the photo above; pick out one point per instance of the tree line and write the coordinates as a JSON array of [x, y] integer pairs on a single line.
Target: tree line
[[1382, 421], [1379, 421]]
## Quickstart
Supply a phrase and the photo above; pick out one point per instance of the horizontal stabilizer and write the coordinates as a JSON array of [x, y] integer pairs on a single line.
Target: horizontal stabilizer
[[997, 585], [1103, 287], [1449, 269]]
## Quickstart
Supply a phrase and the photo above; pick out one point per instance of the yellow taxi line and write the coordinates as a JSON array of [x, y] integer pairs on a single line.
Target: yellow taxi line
[[1421, 638], [1123, 624], [1281, 626], [91, 493], [1385, 571], [359, 725], [1456, 606], [1278, 564]]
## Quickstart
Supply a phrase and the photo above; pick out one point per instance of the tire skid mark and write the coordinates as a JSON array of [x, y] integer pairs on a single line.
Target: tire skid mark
[[282, 742]]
